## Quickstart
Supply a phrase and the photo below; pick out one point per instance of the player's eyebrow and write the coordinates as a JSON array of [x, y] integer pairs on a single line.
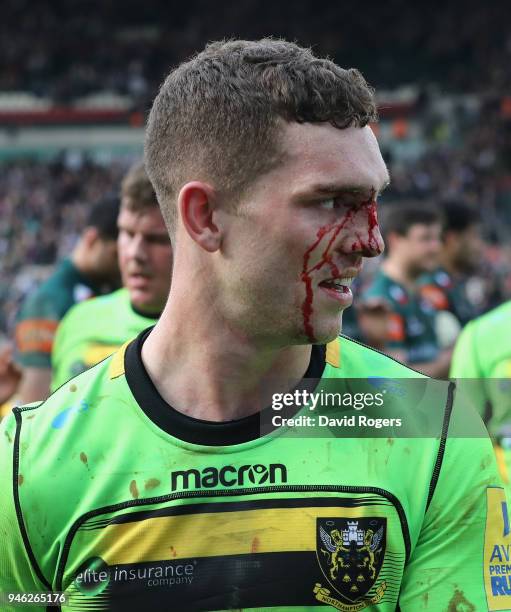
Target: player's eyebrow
[[341, 189]]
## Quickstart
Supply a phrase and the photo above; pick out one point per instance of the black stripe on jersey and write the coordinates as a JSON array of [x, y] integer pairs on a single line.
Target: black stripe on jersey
[[198, 431], [228, 493], [101, 523], [17, 504], [443, 440], [307, 502], [260, 580]]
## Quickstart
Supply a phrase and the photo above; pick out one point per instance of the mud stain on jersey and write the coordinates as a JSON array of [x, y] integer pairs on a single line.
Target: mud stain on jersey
[[152, 483], [459, 599], [486, 462], [133, 489]]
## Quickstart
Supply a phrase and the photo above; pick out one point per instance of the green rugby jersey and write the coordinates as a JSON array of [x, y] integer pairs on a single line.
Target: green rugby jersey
[[43, 309], [124, 503], [483, 354], [92, 331], [483, 351], [412, 319]]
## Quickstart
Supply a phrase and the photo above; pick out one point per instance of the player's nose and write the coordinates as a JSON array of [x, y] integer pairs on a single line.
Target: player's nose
[[137, 248], [365, 238]]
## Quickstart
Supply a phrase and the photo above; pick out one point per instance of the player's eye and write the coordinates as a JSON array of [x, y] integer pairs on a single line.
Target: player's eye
[[333, 204], [329, 204]]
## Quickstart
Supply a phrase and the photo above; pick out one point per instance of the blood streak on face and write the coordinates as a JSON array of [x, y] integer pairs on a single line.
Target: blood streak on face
[[371, 244], [325, 257], [372, 217]]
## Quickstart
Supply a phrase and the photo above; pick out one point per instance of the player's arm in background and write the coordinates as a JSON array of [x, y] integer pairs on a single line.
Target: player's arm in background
[[10, 376], [34, 335], [458, 558], [18, 573]]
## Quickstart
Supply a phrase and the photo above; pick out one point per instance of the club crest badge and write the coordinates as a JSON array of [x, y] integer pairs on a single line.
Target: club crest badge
[[350, 553]]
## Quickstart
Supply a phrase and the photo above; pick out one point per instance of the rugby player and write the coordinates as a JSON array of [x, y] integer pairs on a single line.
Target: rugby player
[[482, 354], [447, 288], [94, 329], [267, 174], [412, 235], [91, 268]]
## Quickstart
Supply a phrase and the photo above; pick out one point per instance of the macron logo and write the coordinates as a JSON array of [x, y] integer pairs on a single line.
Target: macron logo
[[229, 476]]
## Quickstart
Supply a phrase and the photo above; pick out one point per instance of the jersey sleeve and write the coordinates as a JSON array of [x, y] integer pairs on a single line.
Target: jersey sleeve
[[17, 573], [35, 330], [456, 562]]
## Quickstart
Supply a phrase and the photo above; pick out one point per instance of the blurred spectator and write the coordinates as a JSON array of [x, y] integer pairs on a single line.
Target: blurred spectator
[[66, 50], [43, 206], [91, 267]]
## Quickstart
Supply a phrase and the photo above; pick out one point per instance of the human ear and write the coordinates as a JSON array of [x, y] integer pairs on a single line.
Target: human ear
[[90, 236], [196, 202]]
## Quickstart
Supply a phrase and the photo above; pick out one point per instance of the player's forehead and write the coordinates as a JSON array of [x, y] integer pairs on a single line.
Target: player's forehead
[[320, 155], [144, 220]]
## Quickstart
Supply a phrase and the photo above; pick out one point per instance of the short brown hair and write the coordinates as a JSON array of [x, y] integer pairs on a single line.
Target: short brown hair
[[137, 191], [216, 116], [399, 218]]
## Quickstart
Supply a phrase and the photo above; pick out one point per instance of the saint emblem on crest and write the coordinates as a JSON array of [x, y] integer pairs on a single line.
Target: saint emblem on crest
[[350, 553]]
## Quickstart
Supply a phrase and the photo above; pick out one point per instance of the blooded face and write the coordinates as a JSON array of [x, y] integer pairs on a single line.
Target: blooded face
[[300, 236], [145, 258]]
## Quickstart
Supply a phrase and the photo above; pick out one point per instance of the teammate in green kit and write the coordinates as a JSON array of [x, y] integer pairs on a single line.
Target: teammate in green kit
[[169, 497], [483, 355], [412, 236], [92, 264], [95, 329]]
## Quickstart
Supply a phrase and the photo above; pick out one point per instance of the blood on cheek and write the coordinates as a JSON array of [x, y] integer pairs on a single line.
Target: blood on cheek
[[329, 234]]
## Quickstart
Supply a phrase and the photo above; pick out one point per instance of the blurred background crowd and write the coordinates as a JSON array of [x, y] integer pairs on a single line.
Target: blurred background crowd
[[442, 79]]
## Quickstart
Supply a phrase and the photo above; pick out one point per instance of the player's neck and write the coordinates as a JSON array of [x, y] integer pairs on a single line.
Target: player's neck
[[449, 266], [204, 369]]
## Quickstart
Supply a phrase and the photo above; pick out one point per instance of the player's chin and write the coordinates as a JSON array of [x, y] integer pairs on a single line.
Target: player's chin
[[141, 299], [327, 329]]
